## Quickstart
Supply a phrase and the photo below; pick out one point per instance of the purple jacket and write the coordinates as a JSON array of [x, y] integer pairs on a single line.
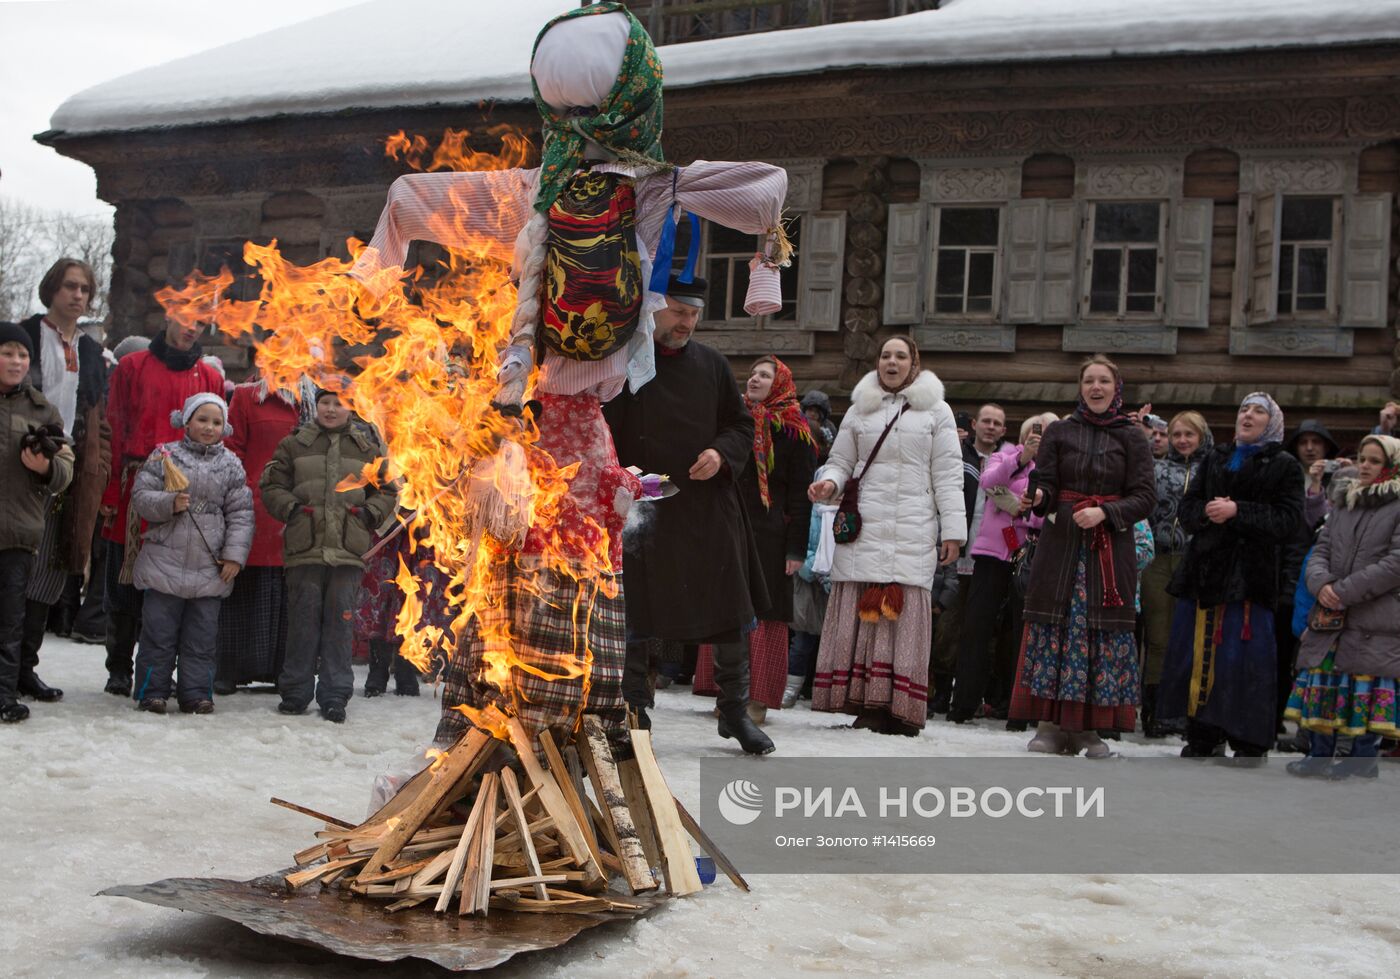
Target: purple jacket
[[1004, 468]]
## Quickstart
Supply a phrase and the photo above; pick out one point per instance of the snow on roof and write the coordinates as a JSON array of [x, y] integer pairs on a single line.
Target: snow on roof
[[388, 53]]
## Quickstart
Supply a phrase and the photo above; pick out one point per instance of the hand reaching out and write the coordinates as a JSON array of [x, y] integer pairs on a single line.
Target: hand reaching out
[[706, 465]]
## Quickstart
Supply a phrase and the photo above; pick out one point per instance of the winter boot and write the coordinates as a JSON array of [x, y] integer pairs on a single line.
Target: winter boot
[[792, 691], [31, 686], [758, 713], [381, 654], [942, 694], [405, 677], [732, 678], [1048, 740], [334, 714], [122, 632], [12, 712], [1310, 767], [1090, 743], [737, 724], [1150, 727], [152, 705]]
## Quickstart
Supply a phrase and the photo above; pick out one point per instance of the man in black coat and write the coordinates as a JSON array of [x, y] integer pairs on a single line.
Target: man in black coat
[[691, 566]]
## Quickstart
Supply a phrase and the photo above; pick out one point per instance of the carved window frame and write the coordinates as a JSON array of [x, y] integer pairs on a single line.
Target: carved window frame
[[1358, 283], [911, 260]]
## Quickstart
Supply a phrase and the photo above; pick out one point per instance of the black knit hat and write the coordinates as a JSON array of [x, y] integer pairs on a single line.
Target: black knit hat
[[14, 333]]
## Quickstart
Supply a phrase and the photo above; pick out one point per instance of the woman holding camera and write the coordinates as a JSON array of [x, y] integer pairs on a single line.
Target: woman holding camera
[[1349, 657], [1001, 534], [1242, 510], [1093, 480]]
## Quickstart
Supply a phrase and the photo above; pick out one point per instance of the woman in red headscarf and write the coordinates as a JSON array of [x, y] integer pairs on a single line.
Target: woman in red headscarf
[[774, 491]]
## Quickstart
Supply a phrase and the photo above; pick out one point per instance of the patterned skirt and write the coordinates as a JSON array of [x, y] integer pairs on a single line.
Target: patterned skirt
[[768, 657], [253, 627], [882, 664], [569, 641], [1222, 669], [1082, 679], [1354, 704]]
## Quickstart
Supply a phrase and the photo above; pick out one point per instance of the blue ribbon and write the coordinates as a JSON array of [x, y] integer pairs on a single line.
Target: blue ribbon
[[666, 251]]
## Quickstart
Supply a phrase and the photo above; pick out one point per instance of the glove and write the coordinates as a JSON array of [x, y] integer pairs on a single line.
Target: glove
[[45, 439]]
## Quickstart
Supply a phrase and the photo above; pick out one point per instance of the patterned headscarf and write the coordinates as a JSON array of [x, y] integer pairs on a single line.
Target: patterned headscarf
[[1386, 486], [913, 374], [1273, 432], [779, 413], [628, 122]]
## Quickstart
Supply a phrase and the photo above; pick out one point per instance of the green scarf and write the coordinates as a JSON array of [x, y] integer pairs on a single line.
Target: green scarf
[[628, 122]]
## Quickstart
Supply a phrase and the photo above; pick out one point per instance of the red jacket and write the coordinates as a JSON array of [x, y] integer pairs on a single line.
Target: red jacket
[[259, 424], [140, 397]]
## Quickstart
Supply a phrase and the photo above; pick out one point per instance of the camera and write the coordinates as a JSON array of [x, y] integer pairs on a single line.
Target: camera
[[1036, 428], [1331, 465]]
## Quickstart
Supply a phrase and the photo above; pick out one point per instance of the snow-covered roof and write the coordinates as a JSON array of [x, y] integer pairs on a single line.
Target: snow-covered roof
[[392, 53]]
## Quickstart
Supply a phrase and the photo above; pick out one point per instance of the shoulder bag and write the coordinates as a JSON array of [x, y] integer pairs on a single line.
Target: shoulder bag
[[846, 527]]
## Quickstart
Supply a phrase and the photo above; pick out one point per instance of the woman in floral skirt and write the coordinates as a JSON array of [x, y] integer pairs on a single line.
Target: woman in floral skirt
[[1078, 670]]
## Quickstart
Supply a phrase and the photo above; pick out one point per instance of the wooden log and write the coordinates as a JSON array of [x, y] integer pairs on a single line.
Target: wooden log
[[459, 853], [631, 778], [331, 820], [538, 881], [565, 778], [481, 855], [466, 755], [552, 798], [527, 843], [622, 835], [395, 873], [681, 875], [708, 845]]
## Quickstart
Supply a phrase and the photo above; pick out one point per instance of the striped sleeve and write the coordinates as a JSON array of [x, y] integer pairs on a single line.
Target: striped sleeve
[[747, 197]]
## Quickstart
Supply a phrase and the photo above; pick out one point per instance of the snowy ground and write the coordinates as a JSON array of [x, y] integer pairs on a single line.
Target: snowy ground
[[96, 794]]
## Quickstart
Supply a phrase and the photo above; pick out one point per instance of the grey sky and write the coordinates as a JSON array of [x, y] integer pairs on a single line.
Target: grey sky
[[54, 48]]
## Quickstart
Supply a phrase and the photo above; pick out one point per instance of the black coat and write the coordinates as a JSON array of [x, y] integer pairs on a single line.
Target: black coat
[[1241, 559], [1092, 460], [780, 530], [690, 566]]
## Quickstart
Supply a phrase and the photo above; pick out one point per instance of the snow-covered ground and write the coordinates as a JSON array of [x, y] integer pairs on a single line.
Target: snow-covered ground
[[96, 794]]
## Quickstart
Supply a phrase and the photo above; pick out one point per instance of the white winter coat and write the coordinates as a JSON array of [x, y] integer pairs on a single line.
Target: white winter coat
[[912, 495]]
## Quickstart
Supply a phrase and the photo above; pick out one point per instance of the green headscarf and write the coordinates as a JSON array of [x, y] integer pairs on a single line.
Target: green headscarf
[[628, 122]]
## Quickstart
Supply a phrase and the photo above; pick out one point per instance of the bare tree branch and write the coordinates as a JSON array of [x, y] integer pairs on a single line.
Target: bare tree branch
[[32, 239]]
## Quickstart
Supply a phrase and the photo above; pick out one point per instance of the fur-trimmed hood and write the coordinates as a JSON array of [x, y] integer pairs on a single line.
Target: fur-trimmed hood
[[924, 394]]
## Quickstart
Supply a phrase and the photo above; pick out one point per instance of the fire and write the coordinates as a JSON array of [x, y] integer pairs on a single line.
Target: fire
[[435, 758], [422, 350]]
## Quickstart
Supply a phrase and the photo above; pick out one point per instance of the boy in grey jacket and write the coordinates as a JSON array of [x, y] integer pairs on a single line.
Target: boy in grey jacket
[[196, 540], [29, 476]]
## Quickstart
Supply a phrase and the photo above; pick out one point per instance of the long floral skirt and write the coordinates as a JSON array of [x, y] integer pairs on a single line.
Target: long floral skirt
[[768, 659], [1080, 678], [882, 664], [1354, 704]]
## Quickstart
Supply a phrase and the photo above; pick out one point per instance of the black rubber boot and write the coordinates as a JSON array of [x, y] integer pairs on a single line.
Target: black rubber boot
[[380, 655], [738, 725], [405, 677]]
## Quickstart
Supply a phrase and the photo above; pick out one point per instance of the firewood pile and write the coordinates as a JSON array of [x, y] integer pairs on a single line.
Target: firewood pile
[[576, 832]]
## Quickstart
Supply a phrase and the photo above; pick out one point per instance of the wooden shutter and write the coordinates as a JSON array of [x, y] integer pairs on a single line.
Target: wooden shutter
[[1025, 222], [1263, 268], [905, 262], [819, 270], [1057, 262], [1188, 262], [1365, 260]]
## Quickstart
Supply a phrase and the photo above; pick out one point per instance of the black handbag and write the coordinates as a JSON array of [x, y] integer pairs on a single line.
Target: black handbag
[[846, 525]]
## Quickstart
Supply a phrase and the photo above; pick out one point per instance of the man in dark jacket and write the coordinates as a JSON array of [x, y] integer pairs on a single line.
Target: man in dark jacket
[[68, 367], [691, 567]]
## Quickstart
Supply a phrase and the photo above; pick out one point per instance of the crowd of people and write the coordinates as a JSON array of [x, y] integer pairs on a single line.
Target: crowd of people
[[1098, 573]]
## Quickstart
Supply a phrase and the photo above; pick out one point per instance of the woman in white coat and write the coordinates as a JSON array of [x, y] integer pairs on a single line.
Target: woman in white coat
[[873, 659]]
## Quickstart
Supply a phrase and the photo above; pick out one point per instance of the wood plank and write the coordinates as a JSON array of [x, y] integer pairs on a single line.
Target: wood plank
[[395, 873], [522, 827], [708, 845], [303, 877], [637, 807], [622, 834], [552, 798], [468, 754], [538, 881], [459, 853], [564, 776], [311, 812], [681, 875], [474, 868]]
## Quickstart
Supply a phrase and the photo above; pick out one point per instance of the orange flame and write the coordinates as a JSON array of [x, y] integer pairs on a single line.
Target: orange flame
[[423, 354]]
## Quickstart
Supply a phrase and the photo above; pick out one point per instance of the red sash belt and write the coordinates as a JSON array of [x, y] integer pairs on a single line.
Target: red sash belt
[[1101, 542]]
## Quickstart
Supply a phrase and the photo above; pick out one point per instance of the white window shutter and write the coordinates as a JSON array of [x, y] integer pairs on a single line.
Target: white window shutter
[[819, 270], [1057, 262], [905, 263], [1188, 262], [1025, 226], [1263, 275], [1365, 260]]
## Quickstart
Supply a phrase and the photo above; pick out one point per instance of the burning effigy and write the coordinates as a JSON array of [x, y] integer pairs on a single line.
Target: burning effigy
[[485, 378]]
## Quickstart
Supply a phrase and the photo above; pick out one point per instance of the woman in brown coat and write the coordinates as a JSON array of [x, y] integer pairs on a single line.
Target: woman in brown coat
[[1093, 480]]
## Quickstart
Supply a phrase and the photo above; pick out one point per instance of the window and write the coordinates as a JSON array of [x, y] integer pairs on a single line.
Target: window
[[724, 263], [1305, 255], [965, 274], [1125, 259]]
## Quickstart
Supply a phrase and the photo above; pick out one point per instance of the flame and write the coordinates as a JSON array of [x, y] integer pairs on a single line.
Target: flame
[[437, 759], [423, 355]]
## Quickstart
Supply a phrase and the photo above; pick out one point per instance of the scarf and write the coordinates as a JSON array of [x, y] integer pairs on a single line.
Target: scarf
[[1110, 417], [1387, 485], [627, 123], [913, 374], [1273, 431], [778, 414], [176, 360]]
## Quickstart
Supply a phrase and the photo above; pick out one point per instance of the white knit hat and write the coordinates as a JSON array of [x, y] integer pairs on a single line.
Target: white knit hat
[[180, 417]]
